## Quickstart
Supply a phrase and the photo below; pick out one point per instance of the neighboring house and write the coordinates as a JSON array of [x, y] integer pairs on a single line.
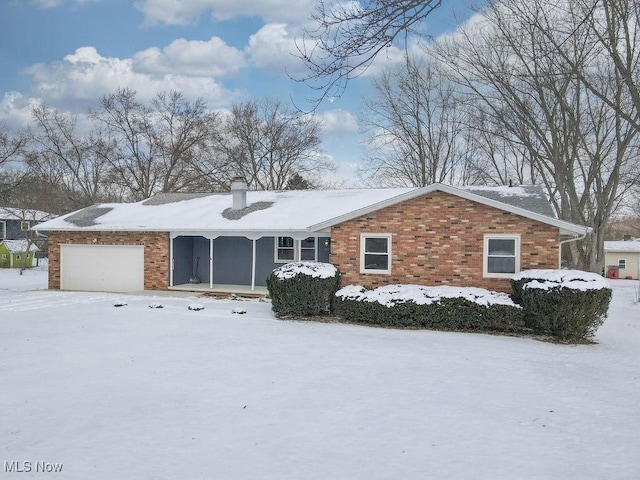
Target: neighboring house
[[16, 223], [435, 235], [622, 259], [14, 254]]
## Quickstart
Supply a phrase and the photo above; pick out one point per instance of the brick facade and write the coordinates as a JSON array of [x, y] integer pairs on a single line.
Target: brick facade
[[438, 239], [156, 253]]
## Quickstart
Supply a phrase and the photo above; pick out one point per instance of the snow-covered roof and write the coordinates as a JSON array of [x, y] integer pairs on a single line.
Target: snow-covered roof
[[528, 197], [293, 211], [18, 246], [628, 246], [11, 213]]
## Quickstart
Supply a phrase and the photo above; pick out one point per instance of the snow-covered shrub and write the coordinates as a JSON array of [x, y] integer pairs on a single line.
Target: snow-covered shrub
[[569, 304], [303, 288], [440, 308]]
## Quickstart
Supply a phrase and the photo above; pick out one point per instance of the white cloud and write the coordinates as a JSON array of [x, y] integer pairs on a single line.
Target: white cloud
[[273, 48], [15, 109], [172, 12], [338, 121], [84, 76], [194, 57]]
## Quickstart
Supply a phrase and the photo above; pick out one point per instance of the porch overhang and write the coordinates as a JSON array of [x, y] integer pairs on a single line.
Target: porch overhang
[[250, 234]]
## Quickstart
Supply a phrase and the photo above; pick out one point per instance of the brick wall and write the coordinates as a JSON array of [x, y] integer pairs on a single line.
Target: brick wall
[[156, 253], [438, 239]]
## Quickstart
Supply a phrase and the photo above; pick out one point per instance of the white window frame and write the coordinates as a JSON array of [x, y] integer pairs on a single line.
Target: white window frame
[[371, 271], [297, 250], [315, 250], [3, 229], [277, 247], [622, 263], [485, 254]]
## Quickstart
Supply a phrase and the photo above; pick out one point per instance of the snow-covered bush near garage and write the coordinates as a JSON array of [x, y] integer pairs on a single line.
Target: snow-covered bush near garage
[[441, 308], [303, 288], [569, 304]]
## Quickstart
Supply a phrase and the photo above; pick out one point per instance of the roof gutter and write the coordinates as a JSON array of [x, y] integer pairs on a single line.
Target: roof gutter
[[576, 238]]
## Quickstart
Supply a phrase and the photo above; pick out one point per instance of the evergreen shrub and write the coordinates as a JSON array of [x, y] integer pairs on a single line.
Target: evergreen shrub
[[568, 304], [437, 308], [303, 288]]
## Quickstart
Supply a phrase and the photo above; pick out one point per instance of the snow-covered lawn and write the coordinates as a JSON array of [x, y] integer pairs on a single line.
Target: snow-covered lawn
[[137, 392]]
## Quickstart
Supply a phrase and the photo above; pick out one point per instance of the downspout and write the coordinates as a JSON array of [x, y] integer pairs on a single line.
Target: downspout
[[574, 239]]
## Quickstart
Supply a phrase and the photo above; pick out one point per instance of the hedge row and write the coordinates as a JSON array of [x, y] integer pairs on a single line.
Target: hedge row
[[567, 304], [426, 307]]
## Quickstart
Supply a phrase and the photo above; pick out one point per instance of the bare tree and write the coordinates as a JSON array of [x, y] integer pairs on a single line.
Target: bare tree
[[59, 153], [580, 148], [156, 146], [11, 145], [183, 134], [495, 156], [268, 145], [11, 151], [415, 124], [614, 33], [349, 35]]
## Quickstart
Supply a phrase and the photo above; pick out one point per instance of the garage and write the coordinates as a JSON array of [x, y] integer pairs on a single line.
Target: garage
[[102, 268]]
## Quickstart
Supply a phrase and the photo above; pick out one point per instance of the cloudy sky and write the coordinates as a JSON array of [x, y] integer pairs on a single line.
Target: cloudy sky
[[69, 53]]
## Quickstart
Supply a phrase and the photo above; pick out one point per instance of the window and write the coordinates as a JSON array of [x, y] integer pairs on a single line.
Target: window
[[308, 249], [290, 250], [501, 255], [375, 253], [622, 263], [4, 256], [285, 251], [3, 230], [25, 225], [17, 257]]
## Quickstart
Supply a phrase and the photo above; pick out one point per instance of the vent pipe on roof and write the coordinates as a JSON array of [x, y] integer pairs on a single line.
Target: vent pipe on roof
[[239, 193]]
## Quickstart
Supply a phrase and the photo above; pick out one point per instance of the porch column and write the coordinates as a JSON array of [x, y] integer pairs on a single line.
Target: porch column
[[211, 263], [253, 264], [171, 260]]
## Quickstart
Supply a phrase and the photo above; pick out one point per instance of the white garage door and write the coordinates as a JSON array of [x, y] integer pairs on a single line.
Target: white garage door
[[102, 268]]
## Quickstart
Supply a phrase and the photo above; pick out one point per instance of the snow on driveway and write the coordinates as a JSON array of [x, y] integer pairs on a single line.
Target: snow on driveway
[[137, 392]]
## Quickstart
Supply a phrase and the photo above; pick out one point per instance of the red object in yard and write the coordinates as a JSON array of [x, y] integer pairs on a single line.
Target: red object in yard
[[612, 272], [628, 277]]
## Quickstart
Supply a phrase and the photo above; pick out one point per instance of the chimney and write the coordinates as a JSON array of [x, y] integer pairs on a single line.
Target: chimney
[[239, 193]]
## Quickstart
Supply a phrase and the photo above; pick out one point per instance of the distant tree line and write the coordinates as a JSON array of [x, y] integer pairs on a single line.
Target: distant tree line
[[128, 150]]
